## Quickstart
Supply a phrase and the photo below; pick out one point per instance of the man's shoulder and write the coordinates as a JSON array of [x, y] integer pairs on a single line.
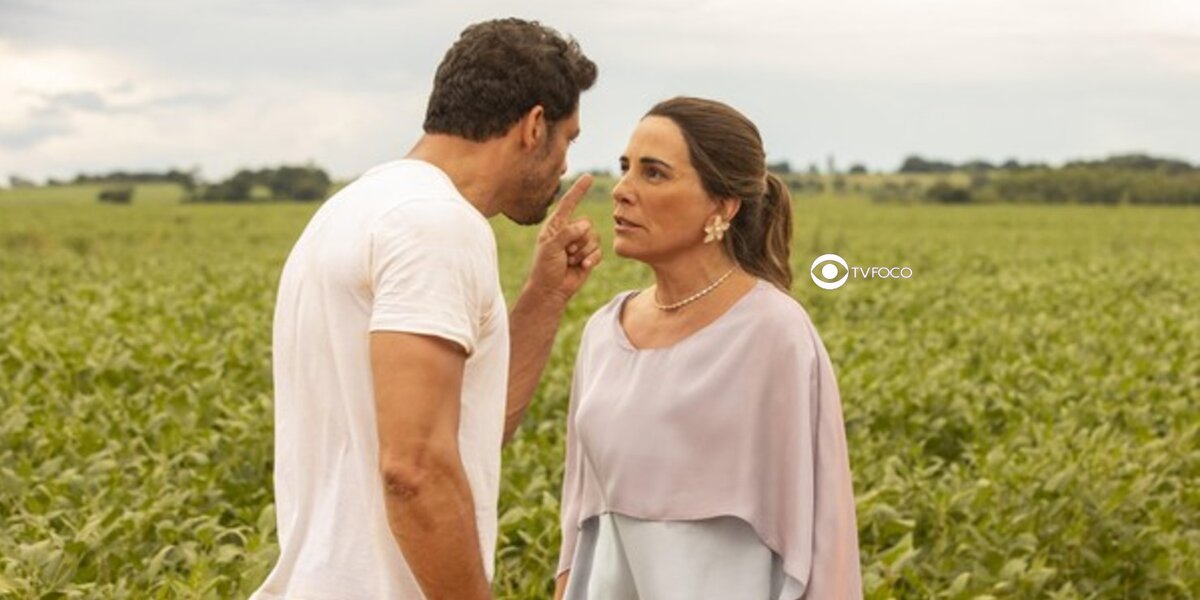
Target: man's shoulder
[[406, 178], [409, 194], [440, 228], [435, 217]]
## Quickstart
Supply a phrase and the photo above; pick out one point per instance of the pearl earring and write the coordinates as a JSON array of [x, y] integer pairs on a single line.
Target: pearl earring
[[716, 231]]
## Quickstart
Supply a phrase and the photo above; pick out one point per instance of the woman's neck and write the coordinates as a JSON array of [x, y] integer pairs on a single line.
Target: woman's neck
[[682, 277]]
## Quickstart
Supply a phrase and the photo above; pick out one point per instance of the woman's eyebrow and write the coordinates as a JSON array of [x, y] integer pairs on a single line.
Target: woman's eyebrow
[[650, 160]]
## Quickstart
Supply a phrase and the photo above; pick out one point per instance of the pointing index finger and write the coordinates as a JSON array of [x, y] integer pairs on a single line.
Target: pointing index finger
[[569, 200]]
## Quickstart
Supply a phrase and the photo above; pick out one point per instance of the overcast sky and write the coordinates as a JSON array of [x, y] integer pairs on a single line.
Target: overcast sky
[[221, 84]]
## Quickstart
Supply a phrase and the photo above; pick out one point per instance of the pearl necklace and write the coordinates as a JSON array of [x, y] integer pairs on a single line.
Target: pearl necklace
[[693, 297]]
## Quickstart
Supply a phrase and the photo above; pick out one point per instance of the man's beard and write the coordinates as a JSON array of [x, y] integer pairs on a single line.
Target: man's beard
[[536, 213]]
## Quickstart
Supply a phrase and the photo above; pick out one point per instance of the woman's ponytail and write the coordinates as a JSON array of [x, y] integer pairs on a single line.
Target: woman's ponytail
[[761, 240]]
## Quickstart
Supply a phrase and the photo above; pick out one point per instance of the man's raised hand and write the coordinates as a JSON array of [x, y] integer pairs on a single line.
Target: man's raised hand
[[568, 248]]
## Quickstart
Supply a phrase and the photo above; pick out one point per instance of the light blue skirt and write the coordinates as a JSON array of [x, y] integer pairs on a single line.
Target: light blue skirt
[[622, 558]]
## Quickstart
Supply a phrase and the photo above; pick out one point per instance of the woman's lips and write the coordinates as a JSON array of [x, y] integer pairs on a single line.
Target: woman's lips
[[622, 225]]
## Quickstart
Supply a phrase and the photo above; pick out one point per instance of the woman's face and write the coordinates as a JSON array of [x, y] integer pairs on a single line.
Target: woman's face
[[660, 207]]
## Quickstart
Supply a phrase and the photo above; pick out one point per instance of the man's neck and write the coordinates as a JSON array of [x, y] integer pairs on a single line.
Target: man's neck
[[475, 168]]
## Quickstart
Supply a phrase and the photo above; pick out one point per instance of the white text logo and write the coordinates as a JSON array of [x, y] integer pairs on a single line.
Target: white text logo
[[830, 272]]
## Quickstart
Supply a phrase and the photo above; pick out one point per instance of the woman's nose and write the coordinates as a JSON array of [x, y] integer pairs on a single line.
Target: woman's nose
[[620, 192]]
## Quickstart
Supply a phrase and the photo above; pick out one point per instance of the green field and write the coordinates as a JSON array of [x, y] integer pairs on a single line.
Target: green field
[[1022, 413]]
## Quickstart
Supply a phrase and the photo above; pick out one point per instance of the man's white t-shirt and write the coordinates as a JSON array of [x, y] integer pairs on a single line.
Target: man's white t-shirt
[[399, 249]]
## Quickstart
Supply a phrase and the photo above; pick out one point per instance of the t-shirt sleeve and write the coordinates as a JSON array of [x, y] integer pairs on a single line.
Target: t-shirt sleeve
[[429, 270]]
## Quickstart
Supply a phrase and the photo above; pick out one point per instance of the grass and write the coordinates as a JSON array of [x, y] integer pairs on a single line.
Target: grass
[[1021, 413]]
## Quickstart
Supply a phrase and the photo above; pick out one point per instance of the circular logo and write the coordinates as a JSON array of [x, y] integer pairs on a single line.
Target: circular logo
[[829, 271]]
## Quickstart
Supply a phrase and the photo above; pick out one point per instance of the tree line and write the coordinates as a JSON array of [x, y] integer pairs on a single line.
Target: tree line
[[304, 183], [1118, 179], [1122, 178], [1126, 162]]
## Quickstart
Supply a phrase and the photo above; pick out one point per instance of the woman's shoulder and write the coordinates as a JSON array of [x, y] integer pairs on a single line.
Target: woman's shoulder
[[773, 306], [612, 309], [779, 318], [609, 312]]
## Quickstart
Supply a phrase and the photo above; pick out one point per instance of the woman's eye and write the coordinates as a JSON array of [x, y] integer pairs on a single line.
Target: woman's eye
[[652, 173]]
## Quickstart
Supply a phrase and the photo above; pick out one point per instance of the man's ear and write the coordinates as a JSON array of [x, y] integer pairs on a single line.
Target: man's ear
[[532, 127]]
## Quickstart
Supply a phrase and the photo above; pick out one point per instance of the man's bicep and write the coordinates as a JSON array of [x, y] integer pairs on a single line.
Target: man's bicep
[[418, 383]]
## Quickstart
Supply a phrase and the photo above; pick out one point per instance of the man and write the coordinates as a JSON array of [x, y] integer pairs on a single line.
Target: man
[[397, 371]]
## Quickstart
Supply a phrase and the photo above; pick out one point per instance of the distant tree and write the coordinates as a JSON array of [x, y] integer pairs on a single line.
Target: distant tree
[[978, 165], [1136, 162], [239, 187], [145, 177], [116, 194], [782, 167], [947, 193], [1096, 185], [893, 191], [284, 183], [916, 164], [188, 181], [235, 189], [1011, 165], [16, 181], [805, 184], [185, 179], [297, 183], [813, 169], [858, 169]]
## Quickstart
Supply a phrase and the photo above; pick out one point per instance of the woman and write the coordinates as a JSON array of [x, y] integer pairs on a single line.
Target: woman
[[706, 456]]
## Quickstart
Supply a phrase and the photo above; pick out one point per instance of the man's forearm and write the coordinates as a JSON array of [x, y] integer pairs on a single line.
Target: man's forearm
[[432, 516], [532, 324]]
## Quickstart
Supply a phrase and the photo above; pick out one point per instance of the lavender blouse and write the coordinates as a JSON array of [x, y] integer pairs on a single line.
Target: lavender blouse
[[740, 419]]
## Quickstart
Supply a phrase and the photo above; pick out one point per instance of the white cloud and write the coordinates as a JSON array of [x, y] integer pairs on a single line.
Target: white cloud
[[85, 86]]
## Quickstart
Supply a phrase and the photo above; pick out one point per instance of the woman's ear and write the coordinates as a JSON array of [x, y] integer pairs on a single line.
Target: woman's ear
[[730, 207]]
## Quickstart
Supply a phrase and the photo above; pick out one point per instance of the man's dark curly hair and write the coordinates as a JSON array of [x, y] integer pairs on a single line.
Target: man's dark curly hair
[[498, 70]]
